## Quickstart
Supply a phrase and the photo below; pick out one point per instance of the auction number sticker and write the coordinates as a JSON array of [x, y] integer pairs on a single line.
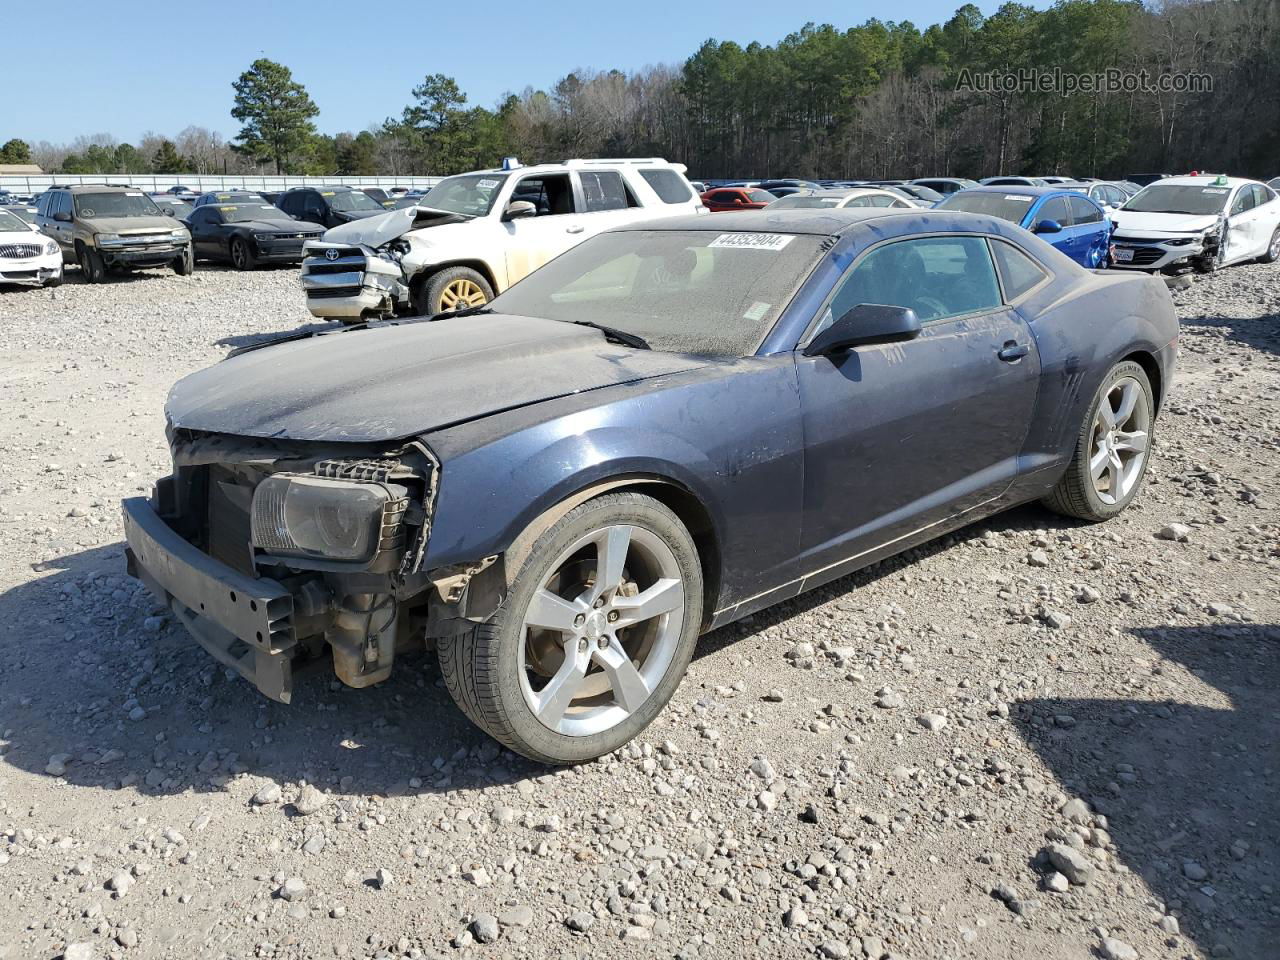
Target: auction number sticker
[[752, 241], [1021, 198], [486, 184], [1214, 190]]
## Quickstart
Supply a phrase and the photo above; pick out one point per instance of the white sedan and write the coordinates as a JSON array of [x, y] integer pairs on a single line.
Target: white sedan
[[26, 255], [1206, 222]]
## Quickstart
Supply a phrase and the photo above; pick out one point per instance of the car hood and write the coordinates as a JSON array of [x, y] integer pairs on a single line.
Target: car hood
[[393, 381], [284, 225], [1132, 221], [382, 228], [126, 226], [22, 236]]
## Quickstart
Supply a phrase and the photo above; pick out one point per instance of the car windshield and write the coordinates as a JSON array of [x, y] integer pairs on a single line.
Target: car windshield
[[351, 201], [798, 201], [1175, 198], [760, 196], [24, 213], [239, 212], [921, 192], [472, 194], [1006, 206], [11, 223], [686, 291], [126, 203]]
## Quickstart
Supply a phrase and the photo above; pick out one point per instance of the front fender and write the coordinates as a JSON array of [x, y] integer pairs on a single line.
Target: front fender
[[728, 434]]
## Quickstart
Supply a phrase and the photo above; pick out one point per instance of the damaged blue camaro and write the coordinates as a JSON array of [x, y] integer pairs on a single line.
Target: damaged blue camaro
[[663, 430]]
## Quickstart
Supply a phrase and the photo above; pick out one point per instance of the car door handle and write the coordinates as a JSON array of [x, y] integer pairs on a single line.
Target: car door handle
[[1012, 351], [576, 228]]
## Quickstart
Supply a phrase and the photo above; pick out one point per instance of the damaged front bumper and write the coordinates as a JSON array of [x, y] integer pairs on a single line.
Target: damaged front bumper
[[246, 623], [346, 283]]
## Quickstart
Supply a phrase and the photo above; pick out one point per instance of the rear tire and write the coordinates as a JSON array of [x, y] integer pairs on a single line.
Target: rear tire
[[574, 665], [453, 288], [92, 266], [1112, 449]]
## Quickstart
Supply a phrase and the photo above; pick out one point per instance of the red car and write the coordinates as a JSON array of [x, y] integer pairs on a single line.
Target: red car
[[736, 198]]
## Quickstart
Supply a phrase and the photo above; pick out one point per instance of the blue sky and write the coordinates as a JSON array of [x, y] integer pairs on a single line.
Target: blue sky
[[130, 67]]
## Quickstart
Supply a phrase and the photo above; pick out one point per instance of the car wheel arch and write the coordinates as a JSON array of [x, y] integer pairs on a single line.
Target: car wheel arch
[[1152, 369], [479, 266], [682, 501]]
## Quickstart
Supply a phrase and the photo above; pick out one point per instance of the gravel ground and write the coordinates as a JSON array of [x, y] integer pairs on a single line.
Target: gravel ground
[[1032, 739]]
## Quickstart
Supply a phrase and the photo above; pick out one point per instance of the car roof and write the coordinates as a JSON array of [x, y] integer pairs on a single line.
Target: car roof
[[1203, 180], [1019, 189], [824, 222]]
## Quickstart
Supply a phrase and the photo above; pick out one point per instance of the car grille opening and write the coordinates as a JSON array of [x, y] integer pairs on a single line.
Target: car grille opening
[[19, 251]]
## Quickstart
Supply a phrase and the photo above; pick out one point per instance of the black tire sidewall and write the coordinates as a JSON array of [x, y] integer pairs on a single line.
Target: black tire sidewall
[[633, 509], [92, 266], [1080, 463]]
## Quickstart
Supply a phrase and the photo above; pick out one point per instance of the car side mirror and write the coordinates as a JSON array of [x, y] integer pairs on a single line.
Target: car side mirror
[[519, 210], [867, 323], [169, 212], [1048, 226], [62, 216]]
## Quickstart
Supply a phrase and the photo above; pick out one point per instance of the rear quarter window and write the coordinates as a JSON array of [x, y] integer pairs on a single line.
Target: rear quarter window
[[1019, 274], [668, 185]]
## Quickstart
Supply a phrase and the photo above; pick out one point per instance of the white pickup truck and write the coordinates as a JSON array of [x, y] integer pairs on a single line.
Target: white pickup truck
[[472, 236]]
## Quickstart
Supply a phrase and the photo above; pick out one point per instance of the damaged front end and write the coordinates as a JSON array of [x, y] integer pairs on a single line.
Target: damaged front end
[[270, 551], [357, 271]]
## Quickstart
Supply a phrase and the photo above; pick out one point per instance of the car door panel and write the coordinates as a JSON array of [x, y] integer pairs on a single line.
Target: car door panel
[[536, 240], [902, 436]]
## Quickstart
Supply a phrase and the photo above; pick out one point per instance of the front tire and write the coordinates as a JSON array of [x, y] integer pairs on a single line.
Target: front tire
[[242, 258], [593, 637], [56, 279], [92, 266], [454, 288], [1210, 263], [185, 263], [1112, 449]]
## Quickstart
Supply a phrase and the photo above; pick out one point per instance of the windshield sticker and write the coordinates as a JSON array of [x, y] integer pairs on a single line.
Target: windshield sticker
[[486, 184], [1214, 190], [752, 241], [757, 311], [129, 193], [232, 209], [327, 193], [1019, 197]]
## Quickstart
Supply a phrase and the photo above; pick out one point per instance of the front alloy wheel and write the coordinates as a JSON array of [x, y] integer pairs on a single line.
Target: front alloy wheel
[[593, 637]]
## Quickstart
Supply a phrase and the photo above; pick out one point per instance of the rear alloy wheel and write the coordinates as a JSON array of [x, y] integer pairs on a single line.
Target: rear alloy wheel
[[92, 266], [593, 637], [1273, 249], [242, 257], [454, 288], [1112, 450]]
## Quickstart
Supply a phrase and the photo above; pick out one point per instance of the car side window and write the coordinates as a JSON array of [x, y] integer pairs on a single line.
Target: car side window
[[1055, 208], [1243, 201], [602, 190], [1018, 272], [667, 184], [1082, 211], [1262, 195], [551, 194], [937, 277]]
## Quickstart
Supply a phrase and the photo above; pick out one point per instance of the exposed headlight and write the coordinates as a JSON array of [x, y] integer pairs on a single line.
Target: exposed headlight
[[50, 247], [110, 238], [178, 234], [304, 516]]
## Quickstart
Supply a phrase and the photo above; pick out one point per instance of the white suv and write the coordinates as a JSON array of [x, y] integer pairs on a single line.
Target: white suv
[[472, 236]]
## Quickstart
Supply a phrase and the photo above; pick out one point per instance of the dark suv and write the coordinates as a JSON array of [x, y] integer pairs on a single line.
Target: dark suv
[[100, 226], [328, 205]]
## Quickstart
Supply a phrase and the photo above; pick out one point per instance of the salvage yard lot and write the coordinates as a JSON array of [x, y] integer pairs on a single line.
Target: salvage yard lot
[[1034, 738]]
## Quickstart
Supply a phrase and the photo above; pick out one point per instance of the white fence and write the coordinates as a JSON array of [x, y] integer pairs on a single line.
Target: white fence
[[158, 183]]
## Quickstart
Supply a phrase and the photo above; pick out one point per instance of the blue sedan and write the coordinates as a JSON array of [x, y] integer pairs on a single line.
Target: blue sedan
[[665, 429], [1066, 219]]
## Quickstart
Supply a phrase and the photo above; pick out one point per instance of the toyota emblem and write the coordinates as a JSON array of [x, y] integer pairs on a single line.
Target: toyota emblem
[[331, 254]]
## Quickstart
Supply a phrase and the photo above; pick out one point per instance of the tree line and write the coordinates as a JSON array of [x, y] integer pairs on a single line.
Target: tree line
[[877, 100]]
